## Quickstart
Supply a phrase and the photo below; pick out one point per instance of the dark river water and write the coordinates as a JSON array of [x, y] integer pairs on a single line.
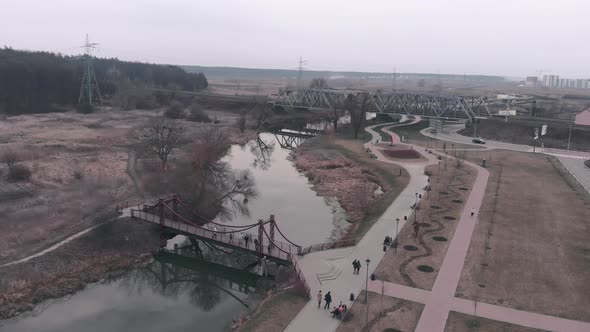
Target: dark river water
[[175, 295]]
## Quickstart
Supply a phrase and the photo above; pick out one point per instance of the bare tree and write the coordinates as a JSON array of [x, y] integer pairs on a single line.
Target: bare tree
[[261, 114], [211, 186], [357, 106], [242, 120], [318, 83], [9, 157], [334, 115], [160, 137]]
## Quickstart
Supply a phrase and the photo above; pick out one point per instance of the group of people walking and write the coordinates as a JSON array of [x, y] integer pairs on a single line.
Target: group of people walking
[[338, 311], [356, 265]]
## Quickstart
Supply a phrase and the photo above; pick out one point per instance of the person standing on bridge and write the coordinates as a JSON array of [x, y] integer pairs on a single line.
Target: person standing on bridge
[[328, 299], [319, 299], [472, 211], [215, 232]]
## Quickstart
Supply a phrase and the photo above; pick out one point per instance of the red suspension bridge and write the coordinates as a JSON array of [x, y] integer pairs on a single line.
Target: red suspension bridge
[[261, 238], [264, 242]]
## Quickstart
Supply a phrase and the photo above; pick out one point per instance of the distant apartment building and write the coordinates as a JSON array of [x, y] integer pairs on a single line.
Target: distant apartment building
[[551, 81], [582, 84]]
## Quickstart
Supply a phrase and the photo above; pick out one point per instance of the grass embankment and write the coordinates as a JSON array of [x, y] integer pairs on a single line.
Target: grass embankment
[[412, 132], [276, 313], [389, 175], [345, 131]]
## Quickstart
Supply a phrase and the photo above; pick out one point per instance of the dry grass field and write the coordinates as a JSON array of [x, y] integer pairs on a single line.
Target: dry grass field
[[80, 171], [385, 314], [530, 246], [458, 322]]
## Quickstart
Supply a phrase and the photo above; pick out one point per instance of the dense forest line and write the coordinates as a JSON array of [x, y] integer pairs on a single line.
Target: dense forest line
[[38, 82]]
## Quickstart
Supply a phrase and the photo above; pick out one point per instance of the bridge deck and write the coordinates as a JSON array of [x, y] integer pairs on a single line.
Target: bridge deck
[[284, 255]]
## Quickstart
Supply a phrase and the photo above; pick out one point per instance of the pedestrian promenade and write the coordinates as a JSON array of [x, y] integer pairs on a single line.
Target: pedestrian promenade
[[332, 270]]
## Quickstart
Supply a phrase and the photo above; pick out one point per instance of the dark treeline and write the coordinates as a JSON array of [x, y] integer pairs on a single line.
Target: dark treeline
[[38, 82]]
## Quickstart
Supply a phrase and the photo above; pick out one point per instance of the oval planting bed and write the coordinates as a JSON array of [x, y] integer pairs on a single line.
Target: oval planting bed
[[425, 268], [410, 248], [439, 238], [449, 218], [457, 201]]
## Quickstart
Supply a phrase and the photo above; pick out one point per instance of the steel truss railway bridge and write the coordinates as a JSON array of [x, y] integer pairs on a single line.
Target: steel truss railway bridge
[[400, 102]]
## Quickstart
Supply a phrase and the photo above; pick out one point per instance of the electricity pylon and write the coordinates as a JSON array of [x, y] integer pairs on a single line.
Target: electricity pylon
[[89, 91]]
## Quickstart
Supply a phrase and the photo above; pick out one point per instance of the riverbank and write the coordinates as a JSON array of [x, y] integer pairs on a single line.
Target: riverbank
[[341, 169], [105, 253]]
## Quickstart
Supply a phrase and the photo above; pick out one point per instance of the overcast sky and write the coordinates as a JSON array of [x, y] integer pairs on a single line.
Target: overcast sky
[[499, 37]]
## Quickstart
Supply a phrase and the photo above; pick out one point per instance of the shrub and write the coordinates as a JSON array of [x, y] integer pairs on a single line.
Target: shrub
[[197, 114], [19, 173], [175, 111], [9, 157], [78, 174]]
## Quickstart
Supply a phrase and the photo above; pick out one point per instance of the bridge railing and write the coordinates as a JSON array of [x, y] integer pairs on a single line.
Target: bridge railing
[[329, 245], [301, 277], [222, 235]]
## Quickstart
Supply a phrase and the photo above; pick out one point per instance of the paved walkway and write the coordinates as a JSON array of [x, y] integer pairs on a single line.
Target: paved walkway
[[332, 270], [434, 315]]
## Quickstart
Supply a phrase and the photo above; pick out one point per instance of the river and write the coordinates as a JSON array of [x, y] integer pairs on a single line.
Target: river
[[183, 297]]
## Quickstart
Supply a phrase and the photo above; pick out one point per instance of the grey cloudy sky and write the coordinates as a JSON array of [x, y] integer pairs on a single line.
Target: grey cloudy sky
[[501, 37]]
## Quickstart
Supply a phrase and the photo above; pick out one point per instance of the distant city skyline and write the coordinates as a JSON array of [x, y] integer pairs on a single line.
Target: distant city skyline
[[512, 39]]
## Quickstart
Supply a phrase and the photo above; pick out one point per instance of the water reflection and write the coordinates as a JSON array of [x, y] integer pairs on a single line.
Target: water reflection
[[302, 215], [262, 150], [176, 292]]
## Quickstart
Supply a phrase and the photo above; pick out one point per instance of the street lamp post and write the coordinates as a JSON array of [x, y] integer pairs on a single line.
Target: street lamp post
[[396, 228], [415, 206], [366, 293], [367, 280]]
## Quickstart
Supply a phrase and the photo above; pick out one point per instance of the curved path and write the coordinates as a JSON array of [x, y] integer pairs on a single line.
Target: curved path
[[331, 270]]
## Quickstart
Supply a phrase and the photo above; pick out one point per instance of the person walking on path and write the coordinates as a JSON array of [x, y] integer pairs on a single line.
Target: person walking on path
[[472, 211], [319, 299], [328, 299], [354, 266]]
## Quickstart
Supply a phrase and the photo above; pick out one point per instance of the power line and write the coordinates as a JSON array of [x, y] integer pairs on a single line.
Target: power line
[[89, 90], [300, 73]]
